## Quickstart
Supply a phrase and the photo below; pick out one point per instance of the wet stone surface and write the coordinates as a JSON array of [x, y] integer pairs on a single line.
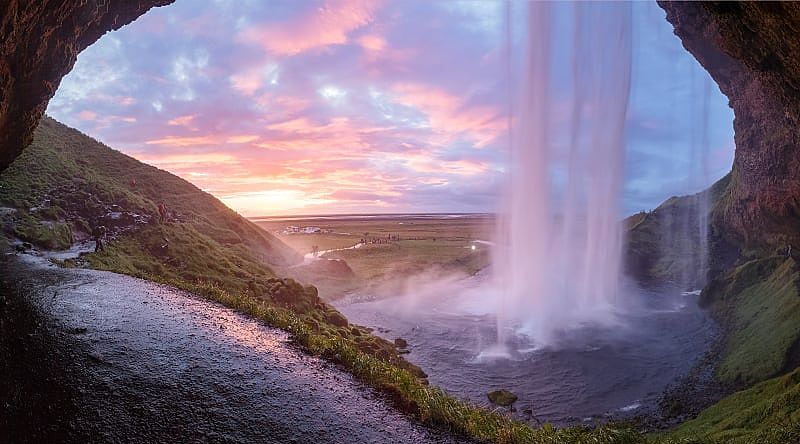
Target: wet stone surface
[[141, 362]]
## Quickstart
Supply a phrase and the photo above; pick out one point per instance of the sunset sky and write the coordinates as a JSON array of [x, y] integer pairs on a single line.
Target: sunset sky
[[309, 107]]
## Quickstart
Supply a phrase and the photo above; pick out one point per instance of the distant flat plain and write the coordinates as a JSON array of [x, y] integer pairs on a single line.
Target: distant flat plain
[[398, 247]]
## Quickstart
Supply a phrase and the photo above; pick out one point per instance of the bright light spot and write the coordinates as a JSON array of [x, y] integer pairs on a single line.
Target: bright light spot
[[273, 73], [375, 94], [274, 201], [332, 92], [473, 248]]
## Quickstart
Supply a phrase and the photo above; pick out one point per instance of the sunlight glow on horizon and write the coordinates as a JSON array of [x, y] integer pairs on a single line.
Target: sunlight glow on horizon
[[257, 106]]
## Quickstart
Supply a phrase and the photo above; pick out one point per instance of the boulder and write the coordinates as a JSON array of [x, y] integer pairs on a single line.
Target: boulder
[[336, 268], [336, 318], [503, 398]]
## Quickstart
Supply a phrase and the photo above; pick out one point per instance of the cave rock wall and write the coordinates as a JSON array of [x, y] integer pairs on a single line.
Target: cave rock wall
[[752, 50], [39, 43]]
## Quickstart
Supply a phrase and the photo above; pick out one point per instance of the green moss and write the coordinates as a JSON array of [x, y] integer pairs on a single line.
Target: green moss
[[766, 413], [760, 305], [43, 234]]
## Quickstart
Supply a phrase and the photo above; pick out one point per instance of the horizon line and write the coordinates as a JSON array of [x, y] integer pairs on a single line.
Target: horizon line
[[299, 216]]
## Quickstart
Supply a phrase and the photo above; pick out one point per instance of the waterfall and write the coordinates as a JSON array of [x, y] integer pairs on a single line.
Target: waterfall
[[558, 260], [701, 176], [685, 226]]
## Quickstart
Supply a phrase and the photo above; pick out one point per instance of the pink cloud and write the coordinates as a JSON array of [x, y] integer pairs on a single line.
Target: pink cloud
[[338, 133], [372, 42], [176, 160], [242, 138], [182, 120], [427, 162], [126, 101], [283, 105], [87, 115], [247, 82], [448, 113], [183, 141], [104, 121], [328, 25]]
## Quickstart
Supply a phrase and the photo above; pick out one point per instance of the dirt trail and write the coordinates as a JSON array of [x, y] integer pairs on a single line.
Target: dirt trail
[[108, 358]]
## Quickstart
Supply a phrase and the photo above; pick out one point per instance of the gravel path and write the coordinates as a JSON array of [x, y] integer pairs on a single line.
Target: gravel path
[[103, 357]]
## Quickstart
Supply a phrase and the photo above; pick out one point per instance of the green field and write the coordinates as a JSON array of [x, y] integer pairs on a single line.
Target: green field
[[397, 248]]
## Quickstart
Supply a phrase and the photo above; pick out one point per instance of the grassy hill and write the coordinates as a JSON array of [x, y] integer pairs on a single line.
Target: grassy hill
[[759, 303], [769, 412], [65, 176], [65, 183], [664, 245]]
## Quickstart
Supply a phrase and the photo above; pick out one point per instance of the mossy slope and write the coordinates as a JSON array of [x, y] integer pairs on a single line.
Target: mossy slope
[[62, 166], [664, 246], [769, 412], [760, 305]]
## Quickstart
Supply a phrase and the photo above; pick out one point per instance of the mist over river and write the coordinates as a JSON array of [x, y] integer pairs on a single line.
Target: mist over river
[[591, 373]]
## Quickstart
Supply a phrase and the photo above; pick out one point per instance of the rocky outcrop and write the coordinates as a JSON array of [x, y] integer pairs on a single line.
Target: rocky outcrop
[[39, 43], [331, 268], [752, 51]]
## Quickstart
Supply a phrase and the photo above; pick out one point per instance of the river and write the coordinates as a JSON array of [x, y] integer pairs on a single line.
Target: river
[[594, 373]]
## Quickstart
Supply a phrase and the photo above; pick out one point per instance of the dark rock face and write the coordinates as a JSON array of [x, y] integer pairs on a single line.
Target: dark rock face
[[39, 43], [752, 50]]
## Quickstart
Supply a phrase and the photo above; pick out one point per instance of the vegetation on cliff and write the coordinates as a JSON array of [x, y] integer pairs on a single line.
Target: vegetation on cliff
[[664, 246], [754, 295], [759, 303], [769, 412]]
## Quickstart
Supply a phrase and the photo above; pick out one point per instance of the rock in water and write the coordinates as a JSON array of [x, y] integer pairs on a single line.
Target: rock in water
[[400, 343], [503, 398]]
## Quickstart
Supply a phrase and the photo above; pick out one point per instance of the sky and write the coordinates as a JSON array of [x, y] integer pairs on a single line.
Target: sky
[[366, 106]]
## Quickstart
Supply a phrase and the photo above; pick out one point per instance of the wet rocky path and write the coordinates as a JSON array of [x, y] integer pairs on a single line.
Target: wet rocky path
[[100, 357]]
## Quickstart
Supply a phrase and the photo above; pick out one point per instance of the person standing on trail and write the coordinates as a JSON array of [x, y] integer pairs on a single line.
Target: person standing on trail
[[99, 233], [162, 212]]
